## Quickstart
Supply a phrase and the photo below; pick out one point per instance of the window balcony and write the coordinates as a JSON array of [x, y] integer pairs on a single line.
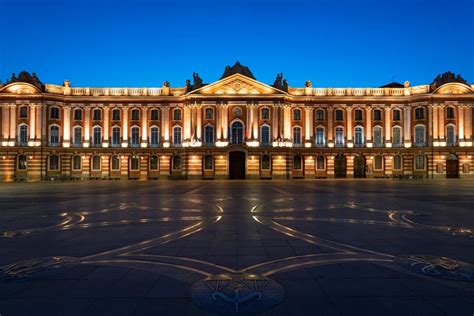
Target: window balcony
[[76, 145], [359, 145], [154, 145], [320, 145], [397, 145], [134, 145], [298, 145], [115, 145], [50, 144], [22, 144], [96, 145], [177, 145], [419, 144], [378, 145], [265, 144], [339, 145]]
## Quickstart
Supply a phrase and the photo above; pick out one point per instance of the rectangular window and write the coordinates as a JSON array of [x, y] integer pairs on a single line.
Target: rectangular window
[[419, 162], [153, 163], [208, 162], [266, 162], [134, 163]]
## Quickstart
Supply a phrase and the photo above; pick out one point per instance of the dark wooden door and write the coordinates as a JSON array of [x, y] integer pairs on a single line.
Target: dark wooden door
[[452, 167], [359, 167], [340, 166], [237, 165]]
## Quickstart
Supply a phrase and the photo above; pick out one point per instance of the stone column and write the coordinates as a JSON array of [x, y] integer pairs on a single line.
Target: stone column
[[308, 124], [461, 123], [39, 119], [435, 123], [187, 124], [441, 128], [66, 126], [388, 127], [218, 122], [225, 121], [275, 129], [468, 123], [248, 122], [32, 135], [368, 126], [330, 128], [407, 126], [144, 127], [349, 127], [5, 127], [13, 124], [255, 122], [106, 126], [199, 123], [287, 122], [125, 126], [165, 130], [87, 127]]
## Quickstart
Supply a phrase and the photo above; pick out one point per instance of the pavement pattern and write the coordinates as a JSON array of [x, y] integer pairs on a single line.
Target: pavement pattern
[[327, 247]]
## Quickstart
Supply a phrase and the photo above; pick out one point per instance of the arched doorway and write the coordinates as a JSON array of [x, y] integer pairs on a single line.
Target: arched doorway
[[359, 166], [237, 165], [452, 166], [340, 166]]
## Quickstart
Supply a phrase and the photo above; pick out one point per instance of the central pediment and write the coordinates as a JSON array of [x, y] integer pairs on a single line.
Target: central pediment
[[236, 84]]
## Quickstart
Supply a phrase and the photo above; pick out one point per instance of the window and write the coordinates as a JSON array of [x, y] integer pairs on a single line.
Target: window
[[319, 115], [115, 163], [96, 163], [266, 165], [53, 162], [339, 136], [208, 162], [297, 135], [209, 135], [339, 115], [23, 111], [419, 113], [135, 115], [54, 135], [135, 137], [378, 142], [396, 136], [265, 113], [176, 162], [419, 135], [397, 162], [320, 136], [23, 134], [449, 112], [177, 115], [420, 162], [54, 113], [237, 134], [450, 135], [209, 113], [359, 136], [296, 114], [396, 115], [77, 114], [97, 114], [97, 136], [297, 162], [154, 136], [22, 162], [76, 162], [177, 135], [116, 115], [154, 115], [320, 162], [377, 115], [116, 136], [378, 162], [358, 115], [77, 141], [154, 163], [265, 135], [134, 163]]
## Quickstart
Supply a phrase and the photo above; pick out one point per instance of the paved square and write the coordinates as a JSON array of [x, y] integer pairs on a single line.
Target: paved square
[[348, 247]]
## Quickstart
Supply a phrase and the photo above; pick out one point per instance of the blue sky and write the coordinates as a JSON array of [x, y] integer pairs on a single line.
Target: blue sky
[[143, 43]]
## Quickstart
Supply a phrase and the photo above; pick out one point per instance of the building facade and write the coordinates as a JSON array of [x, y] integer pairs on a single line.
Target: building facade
[[236, 127]]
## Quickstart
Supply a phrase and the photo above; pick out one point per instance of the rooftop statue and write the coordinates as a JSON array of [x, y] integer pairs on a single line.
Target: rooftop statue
[[447, 77], [238, 68], [25, 76], [280, 83]]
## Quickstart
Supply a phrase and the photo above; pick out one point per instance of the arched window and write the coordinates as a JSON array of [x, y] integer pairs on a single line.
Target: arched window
[[154, 163], [176, 162], [154, 136], [358, 136], [378, 162], [339, 115], [237, 133], [134, 163], [209, 135], [23, 112], [116, 115], [76, 162], [135, 136], [296, 135], [378, 141], [77, 114], [266, 162], [320, 115], [358, 115], [320, 139], [177, 136], [53, 162], [54, 113], [22, 163], [396, 115], [377, 115], [95, 163], [208, 162], [135, 115], [177, 115], [54, 135], [420, 162], [115, 163], [420, 135], [209, 114], [339, 136], [77, 137], [296, 115], [320, 162], [116, 136], [97, 136], [265, 114], [396, 136], [397, 162], [23, 134], [419, 113], [297, 162], [97, 114], [154, 115], [450, 135], [449, 112], [265, 135]]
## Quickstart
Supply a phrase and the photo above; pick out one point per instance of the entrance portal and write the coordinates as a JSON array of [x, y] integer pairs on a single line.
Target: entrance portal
[[237, 165], [340, 166], [452, 166], [359, 167]]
